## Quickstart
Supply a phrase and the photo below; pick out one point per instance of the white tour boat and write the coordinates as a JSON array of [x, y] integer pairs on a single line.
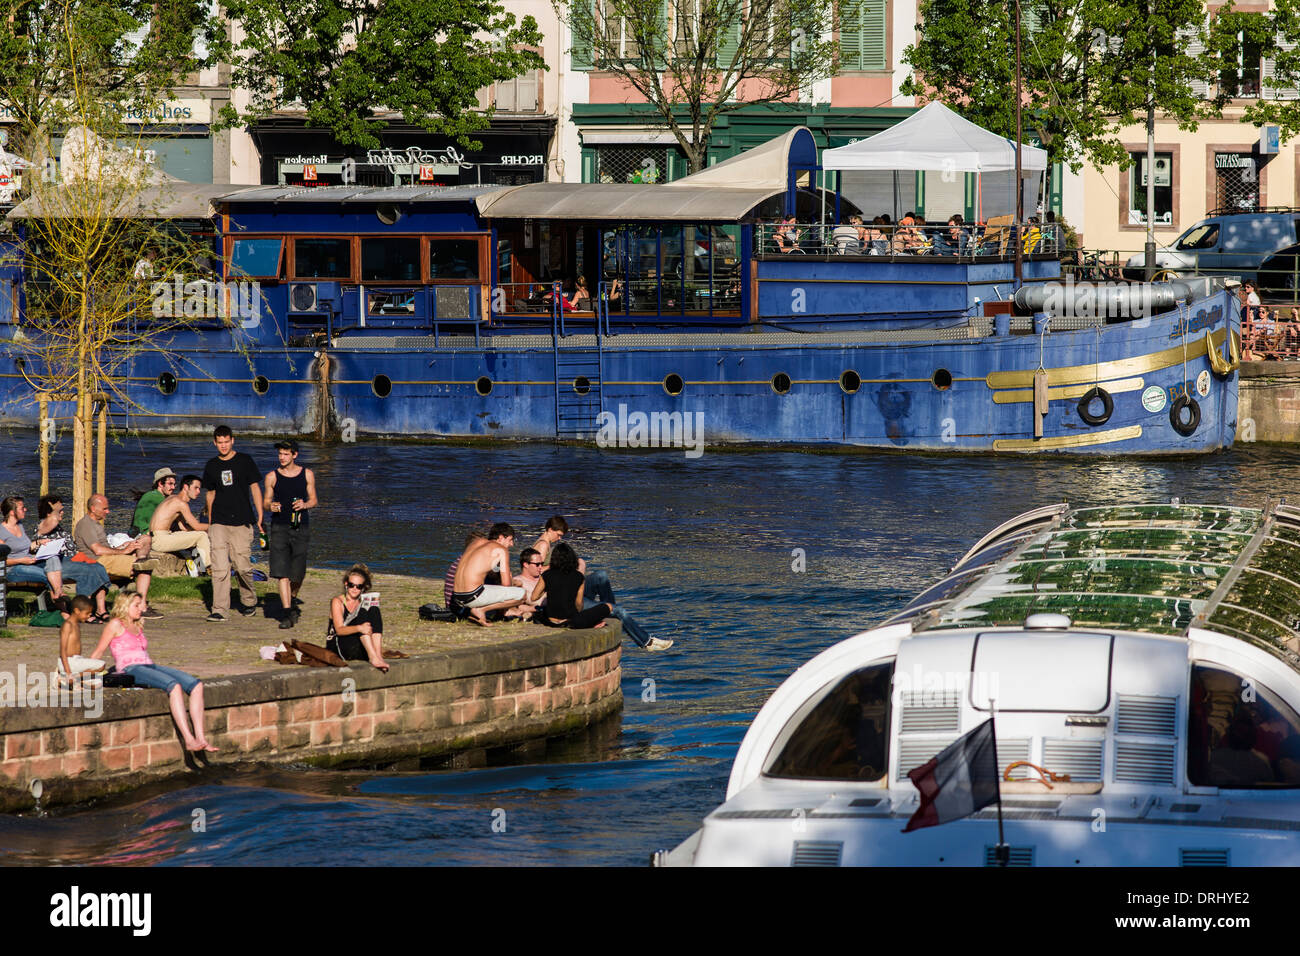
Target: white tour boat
[[1141, 664]]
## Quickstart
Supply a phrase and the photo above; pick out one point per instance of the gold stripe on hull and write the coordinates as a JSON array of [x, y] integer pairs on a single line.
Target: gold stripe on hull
[[1067, 441], [1121, 368], [1067, 391]]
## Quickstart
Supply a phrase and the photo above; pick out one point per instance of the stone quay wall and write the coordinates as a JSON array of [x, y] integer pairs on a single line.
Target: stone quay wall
[[459, 700], [1268, 402]]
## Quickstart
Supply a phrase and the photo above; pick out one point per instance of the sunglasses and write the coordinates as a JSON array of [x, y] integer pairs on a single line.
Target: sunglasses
[[353, 586]]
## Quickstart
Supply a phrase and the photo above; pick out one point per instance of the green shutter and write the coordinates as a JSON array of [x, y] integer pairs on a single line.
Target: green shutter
[[862, 36], [659, 37], [1031, 20], [589, 171], [873, 28], [728, 44], [585, 23]]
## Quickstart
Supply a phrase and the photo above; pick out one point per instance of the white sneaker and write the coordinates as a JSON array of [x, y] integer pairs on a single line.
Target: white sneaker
[[658, 644], [192, 567]]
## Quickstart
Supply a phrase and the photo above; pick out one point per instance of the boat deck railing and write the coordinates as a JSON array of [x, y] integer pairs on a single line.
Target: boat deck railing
[[994, 239]]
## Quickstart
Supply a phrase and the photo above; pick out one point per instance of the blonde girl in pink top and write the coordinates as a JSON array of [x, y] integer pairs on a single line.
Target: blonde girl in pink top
[[124, 636]]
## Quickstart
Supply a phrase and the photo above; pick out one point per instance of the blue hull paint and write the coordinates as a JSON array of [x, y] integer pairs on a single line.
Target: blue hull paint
[[897, 406]]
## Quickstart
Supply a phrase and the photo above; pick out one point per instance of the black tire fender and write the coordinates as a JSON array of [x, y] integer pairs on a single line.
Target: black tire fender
[[1193, 421], [1108, 406]]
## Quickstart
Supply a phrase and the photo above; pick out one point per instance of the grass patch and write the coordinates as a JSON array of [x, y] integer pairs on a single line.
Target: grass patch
[[194, 589], [5, 632]]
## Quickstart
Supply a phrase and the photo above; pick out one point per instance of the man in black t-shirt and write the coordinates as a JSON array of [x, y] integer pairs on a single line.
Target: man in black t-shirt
[[232, 482]]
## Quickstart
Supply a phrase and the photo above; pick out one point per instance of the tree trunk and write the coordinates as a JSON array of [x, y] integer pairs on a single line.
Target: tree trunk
[[81, 425]]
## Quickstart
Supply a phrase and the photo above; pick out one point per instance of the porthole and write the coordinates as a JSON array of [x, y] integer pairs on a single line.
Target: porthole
[[850, 381], [673, 384], [388, 213], [780, 383], [582, 385], [261, 384], [483, 386], [941, 379], [167, 383], [381, 386]]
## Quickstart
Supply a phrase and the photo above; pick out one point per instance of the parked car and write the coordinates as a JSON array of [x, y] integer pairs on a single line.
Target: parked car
[[1234, 244]]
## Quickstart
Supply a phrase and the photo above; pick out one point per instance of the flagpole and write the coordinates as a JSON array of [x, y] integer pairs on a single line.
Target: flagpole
[[1002, 852]]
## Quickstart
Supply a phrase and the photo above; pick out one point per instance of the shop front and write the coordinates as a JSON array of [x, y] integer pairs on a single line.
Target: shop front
[[514, 152]]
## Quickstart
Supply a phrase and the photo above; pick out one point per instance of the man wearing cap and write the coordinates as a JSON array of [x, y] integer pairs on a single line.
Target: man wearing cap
[[164, 483], [290, 493]]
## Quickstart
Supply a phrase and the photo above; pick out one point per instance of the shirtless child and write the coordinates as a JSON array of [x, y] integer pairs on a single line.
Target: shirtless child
[[469, 590], [176, 509], [72, 666]]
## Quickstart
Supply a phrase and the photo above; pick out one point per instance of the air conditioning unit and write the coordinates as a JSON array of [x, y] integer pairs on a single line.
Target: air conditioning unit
[[303, 298]]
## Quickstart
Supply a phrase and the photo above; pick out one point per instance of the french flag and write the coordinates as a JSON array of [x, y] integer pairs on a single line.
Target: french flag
[[958, 781]]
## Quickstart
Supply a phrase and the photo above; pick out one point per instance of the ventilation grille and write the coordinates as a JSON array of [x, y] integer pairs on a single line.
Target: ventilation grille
[[452, 301], [917, 751], [1020, 856], [812, 853], [1154, 716], [1009, 751], [1081, 759], [1144, 763], [1188, 857], [930, 713]]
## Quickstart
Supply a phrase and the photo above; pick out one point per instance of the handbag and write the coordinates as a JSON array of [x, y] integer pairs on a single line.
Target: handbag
[[116, 678]]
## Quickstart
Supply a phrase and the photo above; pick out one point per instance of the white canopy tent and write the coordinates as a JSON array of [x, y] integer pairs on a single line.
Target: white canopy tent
[[937, 142]]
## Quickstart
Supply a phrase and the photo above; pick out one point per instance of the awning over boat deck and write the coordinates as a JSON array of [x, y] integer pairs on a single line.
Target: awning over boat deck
[[724, 192], [362, 194], [167, 200]]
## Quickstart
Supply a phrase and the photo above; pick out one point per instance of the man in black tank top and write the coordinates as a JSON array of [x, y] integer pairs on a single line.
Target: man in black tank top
[[290, 493]]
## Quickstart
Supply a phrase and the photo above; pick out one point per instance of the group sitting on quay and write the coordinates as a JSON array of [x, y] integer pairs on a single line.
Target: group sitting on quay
[[551, 587]]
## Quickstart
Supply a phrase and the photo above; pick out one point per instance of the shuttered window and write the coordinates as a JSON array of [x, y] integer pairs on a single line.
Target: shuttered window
[[580, 53], [862, 35], [1270, 89], [518, 95]]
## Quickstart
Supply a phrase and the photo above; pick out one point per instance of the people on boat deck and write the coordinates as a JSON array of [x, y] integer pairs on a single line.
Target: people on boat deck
[[356, 627], [124, 636], [470, 588], [580, 300], [787, 236]]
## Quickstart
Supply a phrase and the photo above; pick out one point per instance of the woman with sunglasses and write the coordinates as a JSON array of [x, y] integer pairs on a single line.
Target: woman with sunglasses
[[356, 633]]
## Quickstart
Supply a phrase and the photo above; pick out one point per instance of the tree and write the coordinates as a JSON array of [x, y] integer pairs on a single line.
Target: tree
[[131, 52], [1274, 37], [345, 61], [96, 258], [1088, 68], [694, 61]]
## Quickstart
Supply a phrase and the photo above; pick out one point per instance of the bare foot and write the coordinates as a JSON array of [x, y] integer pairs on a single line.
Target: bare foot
[[380, 665], [204, 745], [194, 744], [478, 617], [601, 624]]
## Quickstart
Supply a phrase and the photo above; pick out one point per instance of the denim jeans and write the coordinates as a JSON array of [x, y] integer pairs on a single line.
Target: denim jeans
[[163, 678], [598, 589], [89, 578]]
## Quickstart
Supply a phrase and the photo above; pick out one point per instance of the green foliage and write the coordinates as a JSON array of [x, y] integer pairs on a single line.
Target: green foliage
[[695, 61], [347, 61], [1088, 68], [1278, 35], [130, 52]]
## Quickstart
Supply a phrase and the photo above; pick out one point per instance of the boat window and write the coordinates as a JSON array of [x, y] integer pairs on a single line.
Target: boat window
[[454, 258], [1240, 735], [322, 258], [390, 259], [843, 735], [256, 257]]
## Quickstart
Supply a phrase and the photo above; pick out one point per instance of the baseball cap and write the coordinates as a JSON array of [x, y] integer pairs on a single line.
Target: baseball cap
[[288, 443], [162, 473]]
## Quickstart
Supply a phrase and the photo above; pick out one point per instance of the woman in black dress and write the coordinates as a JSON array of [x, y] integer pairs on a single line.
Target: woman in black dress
[[356, 633], [562, 586]]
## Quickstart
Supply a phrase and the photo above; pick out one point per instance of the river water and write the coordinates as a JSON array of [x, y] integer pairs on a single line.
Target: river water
[[751, 561]]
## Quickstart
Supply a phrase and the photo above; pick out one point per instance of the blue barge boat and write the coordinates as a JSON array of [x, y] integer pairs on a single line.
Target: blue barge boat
[[437, 312]]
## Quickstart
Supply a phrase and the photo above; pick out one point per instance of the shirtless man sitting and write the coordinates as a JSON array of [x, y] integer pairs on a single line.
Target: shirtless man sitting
[[176, 510], [470, 591], [554, 532]]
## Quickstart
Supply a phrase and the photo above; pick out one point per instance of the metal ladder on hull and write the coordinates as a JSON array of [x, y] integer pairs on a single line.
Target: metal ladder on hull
[[579, 372]]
